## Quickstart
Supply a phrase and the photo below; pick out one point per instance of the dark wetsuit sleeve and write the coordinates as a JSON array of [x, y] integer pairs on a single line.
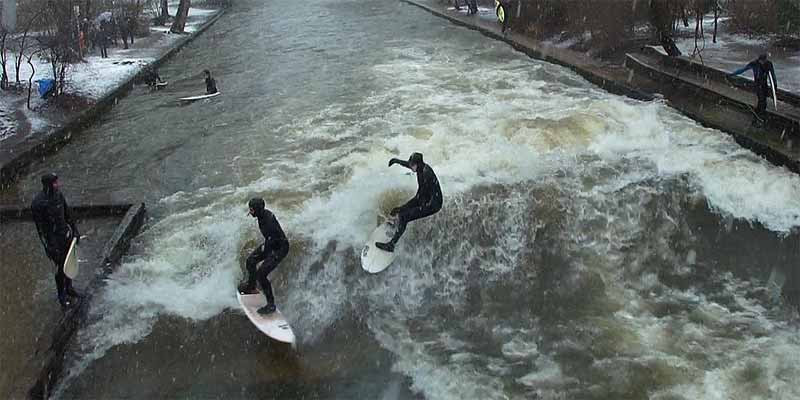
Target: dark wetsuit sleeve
[[402, 163], [743, 69], [428, 192], [429, 187], [271, 230], [40, 220]]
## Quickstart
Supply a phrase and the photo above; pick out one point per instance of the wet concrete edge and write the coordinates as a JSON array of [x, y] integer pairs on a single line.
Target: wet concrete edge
[[52, 360], [775, 119], [610, 85], [771, 154], [717, 74], [57, 137], [11, 213]]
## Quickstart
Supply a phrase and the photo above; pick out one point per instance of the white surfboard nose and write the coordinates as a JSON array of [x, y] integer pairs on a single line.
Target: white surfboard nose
[[273, 325], [373, 259]]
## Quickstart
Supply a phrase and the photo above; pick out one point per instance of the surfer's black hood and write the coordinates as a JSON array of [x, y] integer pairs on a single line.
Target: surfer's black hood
[[258, 205], [47, 183]]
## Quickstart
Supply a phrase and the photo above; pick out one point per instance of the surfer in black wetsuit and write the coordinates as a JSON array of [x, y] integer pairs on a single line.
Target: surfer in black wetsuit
[[426, 202], [151, 76], [761, 67], [274, 249], [211, 84], [56, 229]]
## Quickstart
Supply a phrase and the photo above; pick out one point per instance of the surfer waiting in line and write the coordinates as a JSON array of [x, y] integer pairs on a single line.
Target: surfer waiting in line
[[272, 252], [151, 76], [761, 67], [211, 84], [56, 229], [426, 202]]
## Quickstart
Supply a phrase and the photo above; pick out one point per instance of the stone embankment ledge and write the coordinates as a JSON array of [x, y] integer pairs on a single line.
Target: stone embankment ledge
[[52, 360], [13, 164], [724, 107]]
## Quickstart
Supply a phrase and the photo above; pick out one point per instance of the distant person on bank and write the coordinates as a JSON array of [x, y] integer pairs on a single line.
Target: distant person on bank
[[211, 84], [56, 230], [761, 67]]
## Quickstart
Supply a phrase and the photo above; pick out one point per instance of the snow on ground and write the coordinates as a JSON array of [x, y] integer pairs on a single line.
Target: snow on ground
[[7, 123], [98, 76], [93, 78], [38, 123], [733, 51]]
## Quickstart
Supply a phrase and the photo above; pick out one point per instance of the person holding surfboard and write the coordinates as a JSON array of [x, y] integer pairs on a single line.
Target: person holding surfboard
[[763, 71], [270, 254], [211, 84], [426, 202], [56, 230]]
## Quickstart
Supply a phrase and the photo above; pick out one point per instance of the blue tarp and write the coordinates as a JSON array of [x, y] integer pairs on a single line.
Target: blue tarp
[[46, 86]]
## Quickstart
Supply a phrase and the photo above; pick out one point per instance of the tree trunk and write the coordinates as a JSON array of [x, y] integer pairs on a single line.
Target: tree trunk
[[30, 78], [716, 17], [86, 10], [180, 16], [164, 10], [3, 58]]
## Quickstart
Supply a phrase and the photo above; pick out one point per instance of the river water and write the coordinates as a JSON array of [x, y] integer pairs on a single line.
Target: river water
[[590, 246]]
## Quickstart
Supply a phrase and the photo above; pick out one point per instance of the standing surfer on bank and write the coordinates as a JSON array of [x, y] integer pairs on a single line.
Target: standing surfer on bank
[[761, 67], [272, 252], [56, 230], [426, 202]]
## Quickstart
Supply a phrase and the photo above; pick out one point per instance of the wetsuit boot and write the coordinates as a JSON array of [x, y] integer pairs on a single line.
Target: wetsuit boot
[[388, 246], [267, 309], [247, 288], [71, 292], [266, 286]]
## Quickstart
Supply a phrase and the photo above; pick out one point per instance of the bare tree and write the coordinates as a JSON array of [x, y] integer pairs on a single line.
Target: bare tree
[[4, 34], [23, 44], [159, 8], [33, 73], [180, 16], [164, 17], [59, 39]]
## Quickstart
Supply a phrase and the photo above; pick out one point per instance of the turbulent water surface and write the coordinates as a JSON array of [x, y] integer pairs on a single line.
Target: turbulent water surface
[[590, 246]]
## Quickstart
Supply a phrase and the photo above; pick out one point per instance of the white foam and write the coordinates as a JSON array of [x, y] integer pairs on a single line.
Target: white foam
[[511, 123]]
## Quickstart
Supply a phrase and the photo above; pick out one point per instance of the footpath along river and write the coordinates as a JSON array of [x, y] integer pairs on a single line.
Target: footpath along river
[[590, 246]]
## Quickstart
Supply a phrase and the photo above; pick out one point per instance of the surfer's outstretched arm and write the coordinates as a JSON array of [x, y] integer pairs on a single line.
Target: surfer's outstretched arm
[[399, 161]]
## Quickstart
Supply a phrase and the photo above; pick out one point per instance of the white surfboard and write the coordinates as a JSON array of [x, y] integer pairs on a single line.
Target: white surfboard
[[71, 262], [373, 259], [774, 95], [160, 85], [203, 97], [273, 325]]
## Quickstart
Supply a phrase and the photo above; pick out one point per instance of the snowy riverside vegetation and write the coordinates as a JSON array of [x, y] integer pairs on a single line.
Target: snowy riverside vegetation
[[606, 27], [62, 33]]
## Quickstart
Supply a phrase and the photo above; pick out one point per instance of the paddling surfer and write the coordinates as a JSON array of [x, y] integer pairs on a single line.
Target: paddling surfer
[[211, 84]]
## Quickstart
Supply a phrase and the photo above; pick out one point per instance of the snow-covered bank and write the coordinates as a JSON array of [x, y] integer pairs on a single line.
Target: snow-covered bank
[[732, 51], [92, 79]]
